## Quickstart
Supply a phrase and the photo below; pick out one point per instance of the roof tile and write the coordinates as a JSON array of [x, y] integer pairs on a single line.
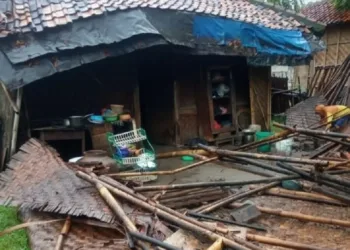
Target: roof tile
[[34, 15], [325, 12]]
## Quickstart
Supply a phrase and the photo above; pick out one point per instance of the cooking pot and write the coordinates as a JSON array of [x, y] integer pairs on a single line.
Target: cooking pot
[[248, 136], [76, 121]]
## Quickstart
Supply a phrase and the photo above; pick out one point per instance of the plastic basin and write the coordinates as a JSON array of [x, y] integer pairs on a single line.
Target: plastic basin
[[260, 136]]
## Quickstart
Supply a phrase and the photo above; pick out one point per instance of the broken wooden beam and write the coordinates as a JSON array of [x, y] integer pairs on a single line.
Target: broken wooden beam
[[214, 184], [229, 153]]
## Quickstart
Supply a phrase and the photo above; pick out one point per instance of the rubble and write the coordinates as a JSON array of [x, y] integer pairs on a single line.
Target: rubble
[[95, 210]]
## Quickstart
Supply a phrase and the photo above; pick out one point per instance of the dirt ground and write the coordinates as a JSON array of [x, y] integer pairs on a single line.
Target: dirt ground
[[321, 235]]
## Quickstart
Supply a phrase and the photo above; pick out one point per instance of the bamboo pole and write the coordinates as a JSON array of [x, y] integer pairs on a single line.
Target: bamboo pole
[[203, 216], [153, 241], [64, 233], [182, 153], [282, 243], [163, 214], [311, 132], [264, 165], [168, 172], [229, 153], [110, 183], [303, 196], [217, 245], [220, 203], [213, 184], [118, 210], [298, 216], [309, 177]]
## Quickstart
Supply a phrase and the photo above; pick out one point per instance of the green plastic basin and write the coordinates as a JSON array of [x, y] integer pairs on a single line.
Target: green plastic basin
[[263, 135]]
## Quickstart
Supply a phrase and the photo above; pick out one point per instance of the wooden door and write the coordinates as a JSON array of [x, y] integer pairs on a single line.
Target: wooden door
[[260, 96], [185, 109]]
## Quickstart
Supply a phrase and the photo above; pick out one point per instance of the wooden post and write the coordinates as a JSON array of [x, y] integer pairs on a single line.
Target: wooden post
[[16, 122]]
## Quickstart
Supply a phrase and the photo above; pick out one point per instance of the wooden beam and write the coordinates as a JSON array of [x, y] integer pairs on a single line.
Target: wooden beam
[[16, 122], [7, 94]]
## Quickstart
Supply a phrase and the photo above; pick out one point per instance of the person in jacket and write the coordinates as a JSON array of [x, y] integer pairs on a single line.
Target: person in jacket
[[336, 116]]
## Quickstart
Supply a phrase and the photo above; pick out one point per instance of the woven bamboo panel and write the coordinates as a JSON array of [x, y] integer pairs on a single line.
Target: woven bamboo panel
[[37, 178], [344, 35], [260, 96], [331, 58], [332, 36], [303, 114], [80, 236], [344, 51], [319, 58]]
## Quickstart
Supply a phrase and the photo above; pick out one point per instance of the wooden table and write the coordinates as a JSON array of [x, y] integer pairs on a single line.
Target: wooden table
[[62, 133]]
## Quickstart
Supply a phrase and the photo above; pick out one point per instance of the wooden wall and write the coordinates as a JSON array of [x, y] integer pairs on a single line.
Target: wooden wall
[[6, 117], [337, 39], [260, 96]]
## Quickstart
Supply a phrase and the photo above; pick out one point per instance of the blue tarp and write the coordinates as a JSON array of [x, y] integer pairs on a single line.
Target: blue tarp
[[263, 39]]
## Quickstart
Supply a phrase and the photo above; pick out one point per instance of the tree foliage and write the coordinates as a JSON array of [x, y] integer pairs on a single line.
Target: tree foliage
[[295, 5], [341, 4]]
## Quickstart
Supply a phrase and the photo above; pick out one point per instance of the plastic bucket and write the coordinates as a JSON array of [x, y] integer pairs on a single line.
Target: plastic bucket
[[260, 136]]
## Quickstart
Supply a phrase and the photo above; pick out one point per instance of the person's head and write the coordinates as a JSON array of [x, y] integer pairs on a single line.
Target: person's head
[[319, 109]]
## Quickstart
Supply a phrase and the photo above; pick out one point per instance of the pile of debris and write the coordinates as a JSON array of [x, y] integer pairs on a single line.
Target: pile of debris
[[72, 207], [332, 83]]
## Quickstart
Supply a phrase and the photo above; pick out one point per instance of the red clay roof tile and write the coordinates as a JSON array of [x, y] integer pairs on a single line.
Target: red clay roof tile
[[51, 13], [325, 12]]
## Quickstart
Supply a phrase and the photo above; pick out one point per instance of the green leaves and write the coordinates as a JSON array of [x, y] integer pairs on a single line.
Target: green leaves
[[341, 4]]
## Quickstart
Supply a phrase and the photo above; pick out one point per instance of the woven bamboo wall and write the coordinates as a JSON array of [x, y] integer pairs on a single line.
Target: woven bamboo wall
[[337, 39]]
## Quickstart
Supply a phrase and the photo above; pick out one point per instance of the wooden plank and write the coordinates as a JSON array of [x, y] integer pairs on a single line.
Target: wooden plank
[[137, 108]]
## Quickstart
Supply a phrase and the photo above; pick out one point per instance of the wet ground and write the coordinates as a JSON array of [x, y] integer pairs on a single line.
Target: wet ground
[[321, 235]]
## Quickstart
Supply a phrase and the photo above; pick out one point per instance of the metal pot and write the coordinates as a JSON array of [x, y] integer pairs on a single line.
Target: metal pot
[[249, 136], [76, 121]]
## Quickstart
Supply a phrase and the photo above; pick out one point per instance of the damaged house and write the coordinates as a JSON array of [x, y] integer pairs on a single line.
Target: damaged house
[[163, 61], [179, 70]]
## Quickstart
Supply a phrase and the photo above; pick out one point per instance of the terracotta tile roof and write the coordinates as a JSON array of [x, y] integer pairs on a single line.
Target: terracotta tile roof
[[325, 12], [34, 15]]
